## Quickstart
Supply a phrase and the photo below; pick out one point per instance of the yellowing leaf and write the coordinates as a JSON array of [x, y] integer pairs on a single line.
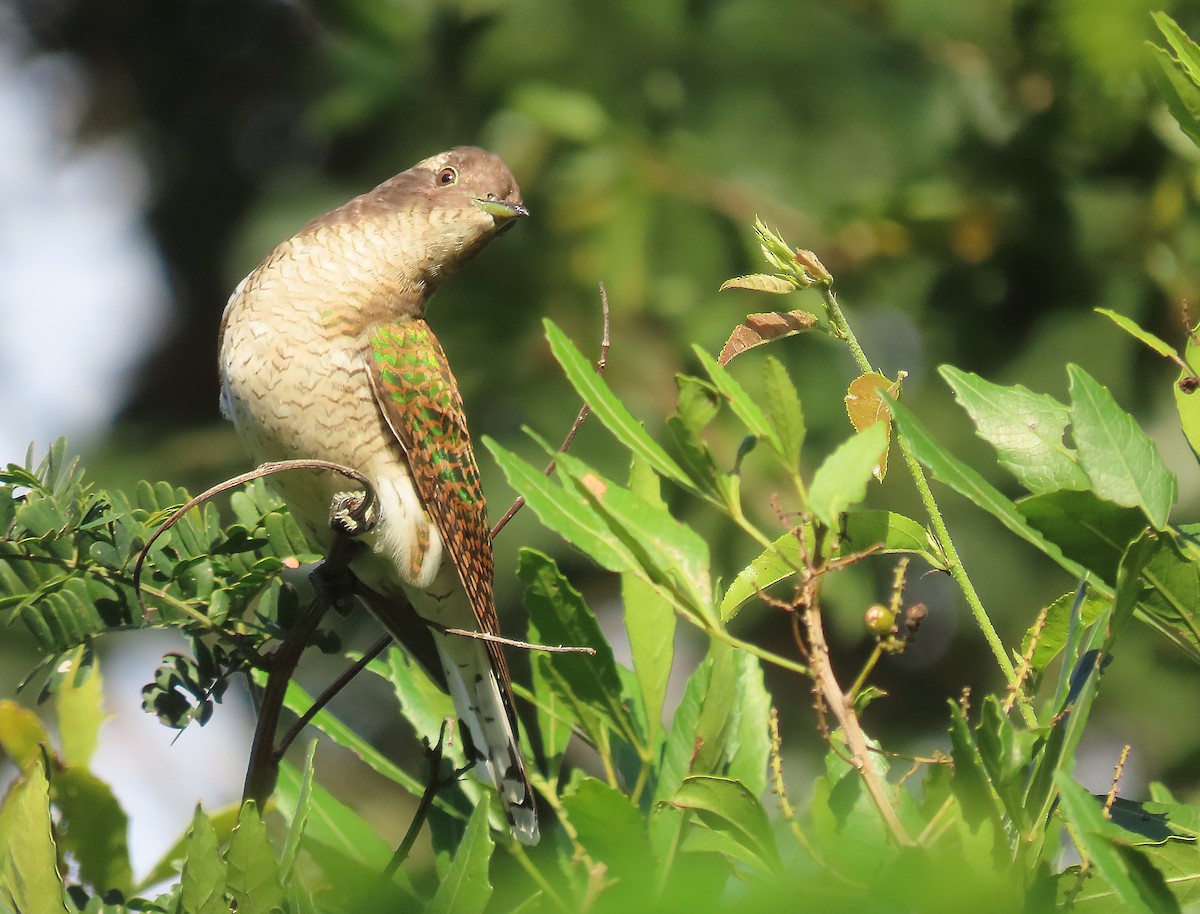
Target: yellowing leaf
[[866, 407], [761, 328], [760, 282]]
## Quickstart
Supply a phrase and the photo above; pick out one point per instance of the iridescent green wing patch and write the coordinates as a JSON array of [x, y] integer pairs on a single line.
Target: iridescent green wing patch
[[419, 397]]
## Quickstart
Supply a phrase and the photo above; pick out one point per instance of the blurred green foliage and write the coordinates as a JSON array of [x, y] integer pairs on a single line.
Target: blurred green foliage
[[978, 176]]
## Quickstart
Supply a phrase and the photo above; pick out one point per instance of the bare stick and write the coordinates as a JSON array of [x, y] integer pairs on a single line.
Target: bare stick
[[511, 642], [584, 411], [843, 710], [431, 788], [263, 767], [330, 692], [267, 469]]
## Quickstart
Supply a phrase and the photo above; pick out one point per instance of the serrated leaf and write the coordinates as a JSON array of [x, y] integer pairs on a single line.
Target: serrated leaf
[[610, 828], [740, 401], [650, 620], [1170, 601], [1024, 427], [29, 872], [465, 889], [299, 818], [253, 873], [666, 553], [727, 806], [841, 481], [1093, 532], [971, 485], [785, 412], [566, 513], [202, 883], [764, 327], [1177, 75], [1119, 458], [1069, 609], [94, 829], [558, 615]]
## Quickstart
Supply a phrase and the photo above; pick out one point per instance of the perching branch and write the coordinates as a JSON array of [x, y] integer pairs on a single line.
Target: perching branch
[[584, 411], [267, 469]]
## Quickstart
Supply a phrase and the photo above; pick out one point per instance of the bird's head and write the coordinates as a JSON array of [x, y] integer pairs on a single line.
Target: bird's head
[[451, 205]]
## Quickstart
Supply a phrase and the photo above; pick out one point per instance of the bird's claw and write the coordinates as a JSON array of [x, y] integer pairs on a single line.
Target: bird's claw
[[350, 513]]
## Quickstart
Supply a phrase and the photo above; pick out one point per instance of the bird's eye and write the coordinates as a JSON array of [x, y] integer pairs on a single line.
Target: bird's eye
[[447, 176]]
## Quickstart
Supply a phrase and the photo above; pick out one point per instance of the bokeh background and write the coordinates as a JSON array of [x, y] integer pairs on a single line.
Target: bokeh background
[[978, 176]]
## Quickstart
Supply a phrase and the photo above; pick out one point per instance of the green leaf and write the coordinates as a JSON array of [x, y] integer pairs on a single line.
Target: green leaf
[[1144, 336], [202, 883], [1061, 616], [888, 531], [1139, 887], [970, 783], [566, 513], [21, 733], [650, 620], [747, 747], [1093, 532], [1177, 76], [29, 876], [726, 806], [299, 701], [79, 708], [741, 402], [841, 481], [331, 823], [94, 828], [608, 409], [967, 482], [253, 874], [1025, 428], [558, 615], [610, 828], [1187, 400], [1119, 458], [465, 889], [222, 822], [668, 554], [299, 818], [1171, 600], [784, 411]]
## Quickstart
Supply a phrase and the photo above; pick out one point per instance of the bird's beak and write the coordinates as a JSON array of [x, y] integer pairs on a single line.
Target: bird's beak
[[501, 210]]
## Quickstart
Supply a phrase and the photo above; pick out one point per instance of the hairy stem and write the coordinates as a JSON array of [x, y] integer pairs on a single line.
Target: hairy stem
[[954, 563]]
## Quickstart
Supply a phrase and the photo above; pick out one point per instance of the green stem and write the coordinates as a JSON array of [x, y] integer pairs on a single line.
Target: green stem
[[865, 672], [957, 570]]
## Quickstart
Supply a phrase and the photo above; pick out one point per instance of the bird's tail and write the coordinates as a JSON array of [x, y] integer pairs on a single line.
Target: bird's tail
[[486, 728]]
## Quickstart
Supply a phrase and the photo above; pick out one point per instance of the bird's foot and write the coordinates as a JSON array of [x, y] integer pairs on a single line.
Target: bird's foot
[[352, 514]]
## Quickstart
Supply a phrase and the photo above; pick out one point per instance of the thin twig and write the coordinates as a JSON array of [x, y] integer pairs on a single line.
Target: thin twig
[[267, 469], [510, 642], [330, 692], [434, 784], [1114, 788], [263, 768], [584, 411], [856, 740]]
